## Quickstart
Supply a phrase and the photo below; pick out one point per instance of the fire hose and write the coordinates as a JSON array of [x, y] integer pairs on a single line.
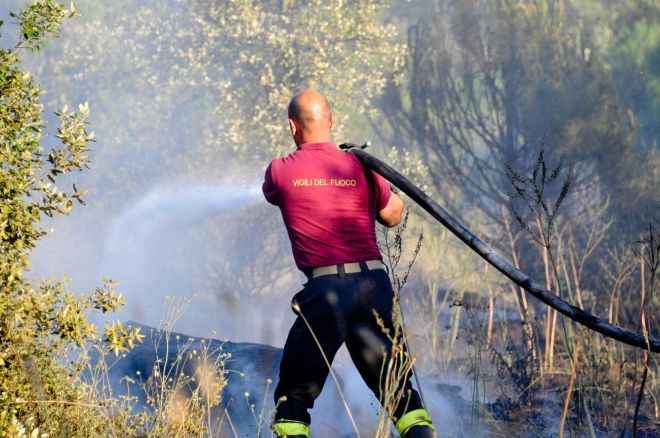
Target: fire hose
[[500, 262]]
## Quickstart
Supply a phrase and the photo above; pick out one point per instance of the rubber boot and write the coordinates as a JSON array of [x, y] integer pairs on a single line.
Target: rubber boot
[[291, 429], [415, 424], [420, 432]]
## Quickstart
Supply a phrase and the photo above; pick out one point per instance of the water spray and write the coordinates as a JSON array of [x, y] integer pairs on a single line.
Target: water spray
[[151, 230]]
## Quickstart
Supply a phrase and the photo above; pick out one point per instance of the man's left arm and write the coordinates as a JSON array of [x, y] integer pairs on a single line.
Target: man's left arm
[[391, 215], [388, 204], [271, 192]]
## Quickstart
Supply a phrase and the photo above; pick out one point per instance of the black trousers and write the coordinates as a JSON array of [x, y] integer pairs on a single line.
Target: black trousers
[[339, 308]]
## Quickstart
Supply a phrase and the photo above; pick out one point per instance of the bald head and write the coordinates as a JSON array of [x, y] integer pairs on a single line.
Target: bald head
[[310, 117]]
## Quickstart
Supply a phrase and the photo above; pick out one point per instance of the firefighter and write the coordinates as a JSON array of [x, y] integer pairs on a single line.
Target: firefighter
[[329, 203]]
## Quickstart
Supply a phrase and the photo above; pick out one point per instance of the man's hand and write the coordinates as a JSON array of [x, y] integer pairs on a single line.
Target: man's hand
[[391, 215]]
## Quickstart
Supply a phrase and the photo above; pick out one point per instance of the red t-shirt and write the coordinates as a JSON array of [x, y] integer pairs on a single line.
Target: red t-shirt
[[328, 203]]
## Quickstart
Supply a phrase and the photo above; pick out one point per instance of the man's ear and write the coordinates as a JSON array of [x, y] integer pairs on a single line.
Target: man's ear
[[293, 128]]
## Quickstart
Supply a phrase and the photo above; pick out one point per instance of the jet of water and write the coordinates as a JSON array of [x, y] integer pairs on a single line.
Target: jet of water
[[150, 235]]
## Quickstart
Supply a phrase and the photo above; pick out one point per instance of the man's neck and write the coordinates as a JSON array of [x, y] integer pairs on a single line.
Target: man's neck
[[315, 139]]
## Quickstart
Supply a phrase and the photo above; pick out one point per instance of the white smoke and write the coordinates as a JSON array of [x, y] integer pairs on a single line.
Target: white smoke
[[148, 251]]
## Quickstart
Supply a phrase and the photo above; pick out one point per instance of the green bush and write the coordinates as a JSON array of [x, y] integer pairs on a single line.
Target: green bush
[[42, 326]]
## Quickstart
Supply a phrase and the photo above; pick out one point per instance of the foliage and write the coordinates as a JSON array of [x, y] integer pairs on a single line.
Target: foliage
[[488, 86], [39, 324], [198, 86], [39, 20], [489, 89], [636, 59], [270, 49]]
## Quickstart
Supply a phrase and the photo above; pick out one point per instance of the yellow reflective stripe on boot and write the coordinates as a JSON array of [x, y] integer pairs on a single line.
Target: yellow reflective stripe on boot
[[417, 417], [286, 428]]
